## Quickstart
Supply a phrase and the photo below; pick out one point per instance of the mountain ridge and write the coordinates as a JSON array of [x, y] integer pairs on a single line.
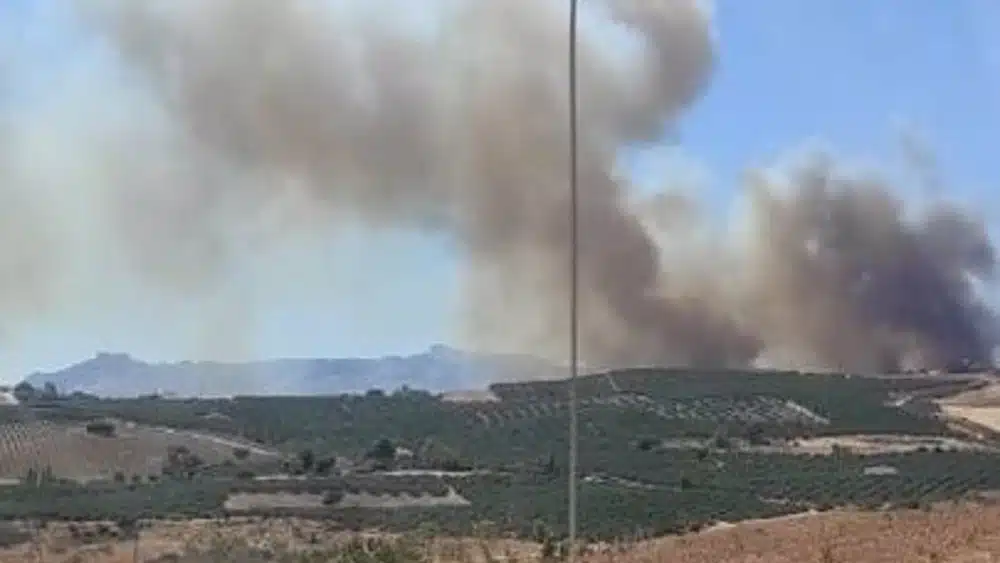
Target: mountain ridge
[[440, 368]]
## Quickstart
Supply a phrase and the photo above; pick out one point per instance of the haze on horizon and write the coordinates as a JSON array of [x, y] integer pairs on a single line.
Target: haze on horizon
[[244, 179]]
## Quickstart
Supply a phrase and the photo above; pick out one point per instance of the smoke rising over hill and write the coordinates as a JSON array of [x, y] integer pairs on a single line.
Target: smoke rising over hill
[[271, 117]]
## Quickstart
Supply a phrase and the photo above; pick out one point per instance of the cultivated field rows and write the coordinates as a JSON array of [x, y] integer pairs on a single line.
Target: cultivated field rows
[[73, 453], [761, 409]]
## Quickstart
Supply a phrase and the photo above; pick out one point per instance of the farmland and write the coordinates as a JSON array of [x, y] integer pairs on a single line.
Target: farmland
[[661, 451], [73, 453]]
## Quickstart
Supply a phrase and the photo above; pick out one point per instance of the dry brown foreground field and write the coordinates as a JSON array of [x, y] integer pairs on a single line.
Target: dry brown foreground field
[[953, 533], [981, 407]]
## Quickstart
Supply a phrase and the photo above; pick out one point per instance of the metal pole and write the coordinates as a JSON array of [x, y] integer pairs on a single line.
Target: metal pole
[[574, 285]]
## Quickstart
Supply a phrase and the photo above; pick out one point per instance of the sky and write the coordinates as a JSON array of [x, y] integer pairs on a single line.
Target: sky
[[851, 75]]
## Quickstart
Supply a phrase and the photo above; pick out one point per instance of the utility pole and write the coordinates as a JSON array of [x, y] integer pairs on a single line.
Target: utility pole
[[574, 360]]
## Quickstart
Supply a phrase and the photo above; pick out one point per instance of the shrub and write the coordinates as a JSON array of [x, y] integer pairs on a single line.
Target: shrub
[[101, 428], [331, 498]]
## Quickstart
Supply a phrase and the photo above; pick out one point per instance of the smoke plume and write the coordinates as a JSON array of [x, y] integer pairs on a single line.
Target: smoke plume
[[273, 117]]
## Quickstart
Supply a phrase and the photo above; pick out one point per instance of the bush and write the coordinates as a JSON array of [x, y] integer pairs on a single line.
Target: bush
[[101, 428], [12, 534], [333, 497], [647, 443], [325, 465]]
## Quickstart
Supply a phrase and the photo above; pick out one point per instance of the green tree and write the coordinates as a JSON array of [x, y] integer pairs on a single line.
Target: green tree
[[101, 428], [49, 391], [754, 434], [383, 453], [721, 441], [647, 443], [326, 465], [550, 466], [24, 391], [47, 476], [686, 483], [333, 496], [307, 458]]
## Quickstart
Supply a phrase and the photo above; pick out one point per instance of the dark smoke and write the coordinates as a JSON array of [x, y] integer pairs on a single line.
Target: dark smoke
[[842, 276], [316, 116]]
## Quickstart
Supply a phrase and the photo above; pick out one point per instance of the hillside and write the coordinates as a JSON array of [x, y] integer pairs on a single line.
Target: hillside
[[439, 368], [964, 533], [660, 451]]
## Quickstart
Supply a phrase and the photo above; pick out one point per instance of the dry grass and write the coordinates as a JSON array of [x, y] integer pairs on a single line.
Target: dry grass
[[981, 407], [988, 417], [953, 533], [988, 396]]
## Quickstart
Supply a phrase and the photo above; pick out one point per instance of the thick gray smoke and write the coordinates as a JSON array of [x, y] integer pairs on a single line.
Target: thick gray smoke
[[278, 116]]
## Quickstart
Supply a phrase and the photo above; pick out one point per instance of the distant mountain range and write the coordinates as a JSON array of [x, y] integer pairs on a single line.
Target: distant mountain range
[[440, 368]]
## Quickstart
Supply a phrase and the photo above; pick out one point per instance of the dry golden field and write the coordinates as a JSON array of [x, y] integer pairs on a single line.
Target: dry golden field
[[953, 533], [980, 407]]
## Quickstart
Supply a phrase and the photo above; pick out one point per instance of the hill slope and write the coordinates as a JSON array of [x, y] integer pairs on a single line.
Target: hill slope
[[439, 368], [966, 533]]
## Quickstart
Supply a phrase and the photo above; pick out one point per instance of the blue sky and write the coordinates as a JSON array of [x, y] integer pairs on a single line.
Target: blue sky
[[847, 74], [844, 73]]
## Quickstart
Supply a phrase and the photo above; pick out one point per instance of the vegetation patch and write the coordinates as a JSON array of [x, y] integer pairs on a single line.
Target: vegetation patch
[[660, 451]]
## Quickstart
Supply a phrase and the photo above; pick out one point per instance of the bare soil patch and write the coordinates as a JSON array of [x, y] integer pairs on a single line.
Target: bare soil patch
[[877, 444]]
